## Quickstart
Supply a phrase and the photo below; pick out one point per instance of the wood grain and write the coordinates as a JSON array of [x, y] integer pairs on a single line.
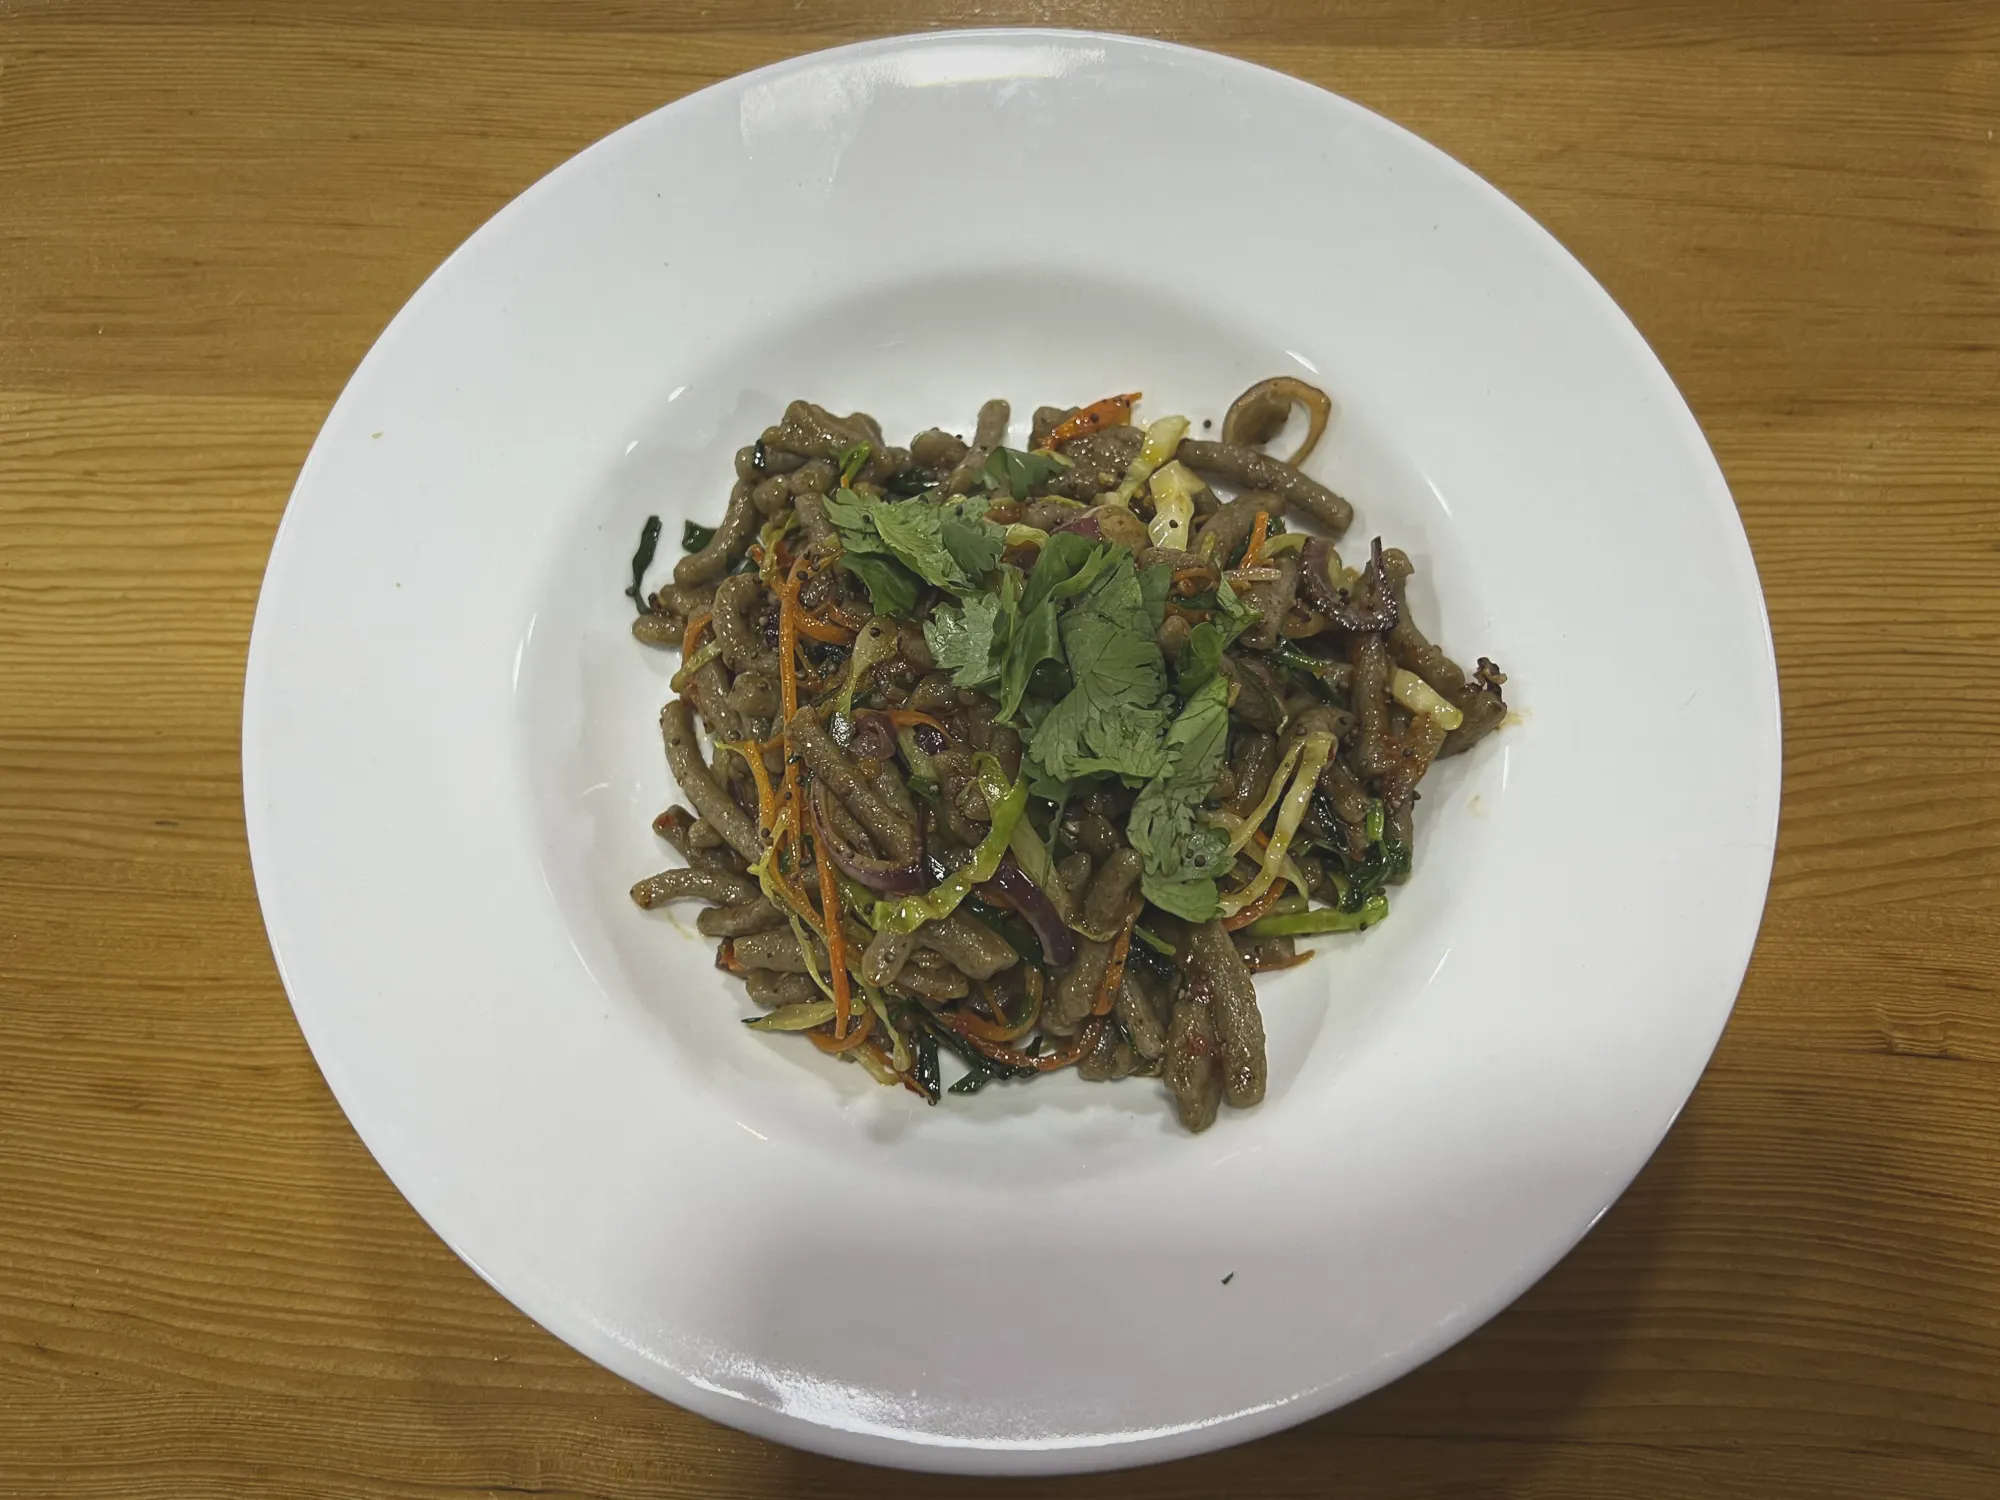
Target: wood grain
[[207, 212]]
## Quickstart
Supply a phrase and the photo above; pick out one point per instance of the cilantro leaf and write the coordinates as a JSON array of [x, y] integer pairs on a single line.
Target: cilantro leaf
[[950, 546], [1110, 721], [974, 543], [1069, 563], [892, 588], [1184, 853], [1017, 473], [969, 641], [1034, 641], [1155, 583], [1204, 646]]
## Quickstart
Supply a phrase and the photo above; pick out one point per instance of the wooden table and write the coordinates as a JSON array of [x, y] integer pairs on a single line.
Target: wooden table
[[208, 211]]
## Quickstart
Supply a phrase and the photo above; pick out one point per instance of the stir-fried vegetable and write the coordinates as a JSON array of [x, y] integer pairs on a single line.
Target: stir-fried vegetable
[[1028, 759], [1006, 803], [1163, 439]]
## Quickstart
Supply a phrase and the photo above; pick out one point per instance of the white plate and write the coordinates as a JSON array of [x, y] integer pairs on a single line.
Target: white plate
[[450, 757]]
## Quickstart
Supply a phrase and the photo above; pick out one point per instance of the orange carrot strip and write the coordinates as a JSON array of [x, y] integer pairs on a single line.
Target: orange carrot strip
[[767, 804], [1114, 971], [821, 630], [997, 1030], [836, 943], [1260, 531], [1258, 907], [1112, 411], [847, 1043], [902, 717], [1046, 1062], [693, 637]]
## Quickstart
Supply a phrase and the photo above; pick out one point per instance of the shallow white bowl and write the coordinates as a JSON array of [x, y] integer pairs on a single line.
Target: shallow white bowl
[[450, 757]]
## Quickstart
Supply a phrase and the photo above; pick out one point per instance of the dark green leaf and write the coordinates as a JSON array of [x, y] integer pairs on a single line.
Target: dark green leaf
[[1034, 643], [1206, 641], [851, 460], [915, 533], [1068, 564], [924, 1067], [1155, 583], [695, 536], [970, 640], [1184, 853], [892, 588], [1017, 473], [1111, 720], [649, 540], [973, 542]]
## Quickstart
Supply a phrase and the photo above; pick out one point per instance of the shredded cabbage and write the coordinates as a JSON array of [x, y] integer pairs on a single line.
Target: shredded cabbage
[[1419, 697], [1173, 506], [1316, 750], [1241, 832], [1163, 440], [941, 900]]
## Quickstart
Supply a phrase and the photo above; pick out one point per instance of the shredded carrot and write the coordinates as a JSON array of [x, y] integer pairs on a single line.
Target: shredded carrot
[[693, 637], [998, 1029], [1261, 905], [1045, 1062], [853, 1039], [836, 942], [1112, 411], [1114, 971], [822, 630], [902, 717], [725, 957], [753, 752], [788, 644], [781, 834], [796, 898], [1260, 531]]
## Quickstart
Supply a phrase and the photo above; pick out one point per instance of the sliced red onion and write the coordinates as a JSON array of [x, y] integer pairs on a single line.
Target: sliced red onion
[[1083, 525], [874, 736], [877, 874], [1011, 887], [1381, 611]]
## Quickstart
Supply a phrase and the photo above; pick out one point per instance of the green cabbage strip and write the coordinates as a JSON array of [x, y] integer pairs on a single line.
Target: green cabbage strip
[[1240, 832], [694, 664], [939, 902], [804, 1016], [1326, 919], [1318, 748], [1163, 440]]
